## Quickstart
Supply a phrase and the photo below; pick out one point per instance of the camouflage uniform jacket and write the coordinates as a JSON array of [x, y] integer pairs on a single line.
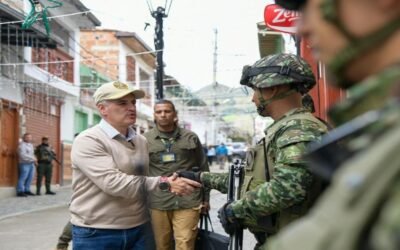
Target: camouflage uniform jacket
[[44, 153], [360, 210], [189, 153], [290, 179]]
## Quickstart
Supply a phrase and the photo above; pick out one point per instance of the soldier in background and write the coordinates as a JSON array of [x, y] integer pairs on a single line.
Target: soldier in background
[[279, 185], [45, 155], [359, 41]]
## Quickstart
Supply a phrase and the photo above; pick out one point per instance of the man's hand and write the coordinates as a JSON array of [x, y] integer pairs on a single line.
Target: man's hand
[[227, 218], [194, 176], [182, 186]]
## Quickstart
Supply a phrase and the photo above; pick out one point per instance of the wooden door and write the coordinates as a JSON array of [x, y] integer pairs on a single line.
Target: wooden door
[[43, 119], [9, 134]]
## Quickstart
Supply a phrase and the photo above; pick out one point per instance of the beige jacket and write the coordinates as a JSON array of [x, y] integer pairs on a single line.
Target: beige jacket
[[109, 183]]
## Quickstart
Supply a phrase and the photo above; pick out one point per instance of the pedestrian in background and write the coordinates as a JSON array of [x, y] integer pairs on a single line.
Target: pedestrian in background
[[210, 155], [45, 155], [359, 41], [222, 155], [173, 149], [110, 183], [26, 166], [205, 149]]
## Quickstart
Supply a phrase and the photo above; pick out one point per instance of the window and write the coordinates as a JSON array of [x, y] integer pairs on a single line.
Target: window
[[80, 121], [96, 119], [145, 85], [130, 69]]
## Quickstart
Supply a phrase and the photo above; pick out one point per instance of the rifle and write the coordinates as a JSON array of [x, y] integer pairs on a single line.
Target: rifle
[[53, 155], [59, 163], [235, 182]]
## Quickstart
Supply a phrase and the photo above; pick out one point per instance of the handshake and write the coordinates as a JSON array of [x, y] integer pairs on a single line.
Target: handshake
[[182, 182], [191, 175]]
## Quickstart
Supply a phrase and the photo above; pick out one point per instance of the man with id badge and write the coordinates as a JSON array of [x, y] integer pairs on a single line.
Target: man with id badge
[[173, 149]]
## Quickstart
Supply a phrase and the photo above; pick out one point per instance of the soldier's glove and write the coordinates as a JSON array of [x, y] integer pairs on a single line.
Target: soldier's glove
[[228, 220], [191, 175]]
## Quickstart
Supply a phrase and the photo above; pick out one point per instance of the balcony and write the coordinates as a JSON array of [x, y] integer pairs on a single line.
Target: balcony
[[56, 62]]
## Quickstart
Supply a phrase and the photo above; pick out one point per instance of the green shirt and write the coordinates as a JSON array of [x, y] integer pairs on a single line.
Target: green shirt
[[291, 181], [188, 154]]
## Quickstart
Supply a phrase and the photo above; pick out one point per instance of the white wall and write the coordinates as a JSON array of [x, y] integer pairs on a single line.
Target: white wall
[[67, 118], [76, 52], [10, 90], [123, 50], [198, 124]]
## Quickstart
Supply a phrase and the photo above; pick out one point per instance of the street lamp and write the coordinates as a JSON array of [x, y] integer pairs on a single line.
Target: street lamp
[[159, 13]]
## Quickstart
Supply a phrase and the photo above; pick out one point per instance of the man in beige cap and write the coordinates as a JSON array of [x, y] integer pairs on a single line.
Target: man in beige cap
[[110, 184]]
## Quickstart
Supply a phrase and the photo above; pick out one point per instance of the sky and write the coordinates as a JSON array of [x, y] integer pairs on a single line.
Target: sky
[[189, 35]]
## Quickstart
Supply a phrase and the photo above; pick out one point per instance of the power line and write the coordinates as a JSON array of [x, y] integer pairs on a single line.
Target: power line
[[51, 17], [68, 61]]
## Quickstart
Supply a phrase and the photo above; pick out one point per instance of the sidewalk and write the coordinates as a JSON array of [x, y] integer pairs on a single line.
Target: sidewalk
[[14, 206]]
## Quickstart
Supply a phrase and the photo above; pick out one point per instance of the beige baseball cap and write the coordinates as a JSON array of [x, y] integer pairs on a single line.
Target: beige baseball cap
[[116, 90]]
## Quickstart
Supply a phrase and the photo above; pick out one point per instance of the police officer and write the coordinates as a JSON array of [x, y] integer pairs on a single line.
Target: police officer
[[45, 155], [172, 148], [359, 41], [279, 184]]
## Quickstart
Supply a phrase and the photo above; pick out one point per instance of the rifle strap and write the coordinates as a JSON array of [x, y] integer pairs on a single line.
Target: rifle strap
[[267, 177]]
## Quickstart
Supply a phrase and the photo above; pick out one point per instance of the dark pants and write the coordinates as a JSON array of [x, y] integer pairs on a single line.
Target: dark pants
[[65, 237], [137, 238], [46, 170], [210, 159]]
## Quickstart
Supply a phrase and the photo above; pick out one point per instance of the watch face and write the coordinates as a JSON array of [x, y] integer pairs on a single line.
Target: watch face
[[164, 186]]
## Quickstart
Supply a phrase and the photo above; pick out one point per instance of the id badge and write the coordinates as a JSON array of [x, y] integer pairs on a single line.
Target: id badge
[[168, 157]]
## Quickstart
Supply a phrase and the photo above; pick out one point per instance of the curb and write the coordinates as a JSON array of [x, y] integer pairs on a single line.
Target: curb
[[32, 211]]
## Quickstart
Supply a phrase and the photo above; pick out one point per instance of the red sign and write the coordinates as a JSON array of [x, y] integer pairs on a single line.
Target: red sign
[[279, 19]]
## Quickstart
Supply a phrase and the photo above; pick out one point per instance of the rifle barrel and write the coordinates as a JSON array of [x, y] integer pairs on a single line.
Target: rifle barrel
[[235, 179]]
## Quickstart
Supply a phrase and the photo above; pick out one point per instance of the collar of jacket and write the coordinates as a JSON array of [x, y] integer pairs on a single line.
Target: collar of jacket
[[175, 134], [289, 113]]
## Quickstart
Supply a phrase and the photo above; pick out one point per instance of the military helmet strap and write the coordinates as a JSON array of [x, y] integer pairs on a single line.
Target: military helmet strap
[[356, 46], [264, 103]]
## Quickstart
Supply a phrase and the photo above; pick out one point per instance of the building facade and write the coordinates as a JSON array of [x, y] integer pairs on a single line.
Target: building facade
[[39, 80]]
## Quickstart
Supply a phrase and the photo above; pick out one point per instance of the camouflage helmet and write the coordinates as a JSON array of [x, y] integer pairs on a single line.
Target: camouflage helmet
[[279, 69], [291, 4]]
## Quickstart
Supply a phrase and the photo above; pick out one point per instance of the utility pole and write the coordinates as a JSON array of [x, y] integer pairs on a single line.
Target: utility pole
[[214, 126], [215, 58], [159, 14]]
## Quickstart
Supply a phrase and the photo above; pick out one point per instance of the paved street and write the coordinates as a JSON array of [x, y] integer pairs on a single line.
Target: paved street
[[33, 231], [34, 223]]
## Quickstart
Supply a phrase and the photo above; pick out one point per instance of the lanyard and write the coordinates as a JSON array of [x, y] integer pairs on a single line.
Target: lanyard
[[168, 143]]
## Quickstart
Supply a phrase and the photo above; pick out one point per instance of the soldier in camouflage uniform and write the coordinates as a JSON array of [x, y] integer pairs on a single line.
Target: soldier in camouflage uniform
[[360, 43], [45, 155], [279, 184]]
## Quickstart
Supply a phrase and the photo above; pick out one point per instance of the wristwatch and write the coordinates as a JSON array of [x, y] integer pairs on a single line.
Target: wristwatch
[[164, 184]]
